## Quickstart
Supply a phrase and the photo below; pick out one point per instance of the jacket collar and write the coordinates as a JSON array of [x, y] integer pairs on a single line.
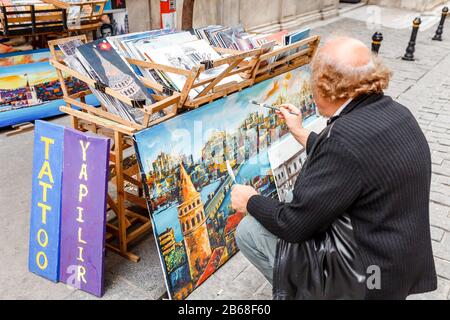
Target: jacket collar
[[358, 102]]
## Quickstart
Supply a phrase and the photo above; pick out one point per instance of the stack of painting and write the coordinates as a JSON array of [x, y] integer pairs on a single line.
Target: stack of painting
[[184, 165]]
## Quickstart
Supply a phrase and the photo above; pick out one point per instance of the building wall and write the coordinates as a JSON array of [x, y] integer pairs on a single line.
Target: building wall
[[254, 15], [419, 5]]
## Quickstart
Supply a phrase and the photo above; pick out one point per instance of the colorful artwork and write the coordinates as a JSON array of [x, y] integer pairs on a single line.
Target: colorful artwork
[[25, 82], [287, 158], [15, 59], [83, 223], [104, 64], [46, 200], [184, 162]]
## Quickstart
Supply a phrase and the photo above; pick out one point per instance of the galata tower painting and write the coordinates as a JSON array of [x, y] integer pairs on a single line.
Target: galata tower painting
[[192, 219]]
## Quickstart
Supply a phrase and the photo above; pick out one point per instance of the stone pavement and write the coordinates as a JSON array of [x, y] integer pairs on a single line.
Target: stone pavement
[[423, 86]]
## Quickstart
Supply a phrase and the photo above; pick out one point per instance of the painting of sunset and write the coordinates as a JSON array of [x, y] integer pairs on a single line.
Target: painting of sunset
[[26, 83], [185, 162]]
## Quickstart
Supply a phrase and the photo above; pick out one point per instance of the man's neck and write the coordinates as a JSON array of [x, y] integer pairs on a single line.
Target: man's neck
[[341, 107]]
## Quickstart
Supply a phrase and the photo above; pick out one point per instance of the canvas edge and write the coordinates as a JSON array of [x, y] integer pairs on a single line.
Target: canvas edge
[[150, 212]]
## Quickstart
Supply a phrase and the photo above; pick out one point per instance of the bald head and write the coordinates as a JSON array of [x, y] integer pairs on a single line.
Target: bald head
[[346, 53]]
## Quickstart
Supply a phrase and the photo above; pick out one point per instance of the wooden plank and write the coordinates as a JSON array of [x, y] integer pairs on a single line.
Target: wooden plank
[[161, 67], [134, 198], [194, 103], [281, 70], [106, 114], [20, 128], [128, 255], [229, 74], [284, 60], [138, 232], [98, 120], [219, 78], [161, 105]]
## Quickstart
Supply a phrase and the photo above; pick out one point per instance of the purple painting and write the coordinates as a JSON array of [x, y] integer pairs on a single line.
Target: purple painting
[[83, 222]]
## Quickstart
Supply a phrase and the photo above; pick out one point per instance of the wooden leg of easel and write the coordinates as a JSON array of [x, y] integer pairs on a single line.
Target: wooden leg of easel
[[122, 219]]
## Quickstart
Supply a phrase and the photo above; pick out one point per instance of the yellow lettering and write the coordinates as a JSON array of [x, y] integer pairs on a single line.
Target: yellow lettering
[[48, 142], [79, 236], [83, 172], [44, 264], [81, 272], [84, 148], [80, 214], [45, 170], [45, 186], [44, 208], [83, 192], [80, 254], [39, 238]]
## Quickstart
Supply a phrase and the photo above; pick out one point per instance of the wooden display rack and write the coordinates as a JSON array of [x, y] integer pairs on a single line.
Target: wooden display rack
[[253, 66], [83, 23], [239, 63], [130, 209], [295, 56]]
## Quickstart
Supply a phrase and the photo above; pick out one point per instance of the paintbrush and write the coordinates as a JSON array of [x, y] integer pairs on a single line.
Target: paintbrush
[[230, 172], [265, 105]]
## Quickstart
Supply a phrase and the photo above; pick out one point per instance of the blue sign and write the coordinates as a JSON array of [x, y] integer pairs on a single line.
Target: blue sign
[[46, 200]]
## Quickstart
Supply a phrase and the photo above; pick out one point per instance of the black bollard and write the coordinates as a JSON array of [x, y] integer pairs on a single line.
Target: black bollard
[[409, 54], [440, 28], [377, 38]]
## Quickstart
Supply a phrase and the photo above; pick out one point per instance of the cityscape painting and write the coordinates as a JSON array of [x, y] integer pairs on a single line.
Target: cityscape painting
[[29, 80], [186, 162]]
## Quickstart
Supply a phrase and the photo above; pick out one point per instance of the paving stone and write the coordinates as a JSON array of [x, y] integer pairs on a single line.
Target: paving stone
[[264, 292], [235, 266], [442, 249], [440, 294], [251, 279], [439, 216], [437, 234], [443, 268]]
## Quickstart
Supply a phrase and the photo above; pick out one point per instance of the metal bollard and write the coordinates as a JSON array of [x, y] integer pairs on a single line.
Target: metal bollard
[[440, 28], [377, 38], [409, 54]]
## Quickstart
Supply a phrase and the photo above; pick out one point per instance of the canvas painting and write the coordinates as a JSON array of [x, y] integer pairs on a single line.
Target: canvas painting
[[104, 64], [29, 80], [185, 163]]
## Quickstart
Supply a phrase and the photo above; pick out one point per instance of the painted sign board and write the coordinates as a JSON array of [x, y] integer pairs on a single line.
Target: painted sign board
[[86, 160], [46, 200]]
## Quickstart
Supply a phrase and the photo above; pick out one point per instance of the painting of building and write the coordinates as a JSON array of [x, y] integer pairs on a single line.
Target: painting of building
[[184, 164], [287, 159], [191, 215]]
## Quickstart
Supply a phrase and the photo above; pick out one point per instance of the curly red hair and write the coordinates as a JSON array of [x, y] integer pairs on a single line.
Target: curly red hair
[[336, 82]]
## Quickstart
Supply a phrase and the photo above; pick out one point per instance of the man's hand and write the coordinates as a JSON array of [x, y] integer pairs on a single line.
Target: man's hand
[[294, 122], [240, 195]]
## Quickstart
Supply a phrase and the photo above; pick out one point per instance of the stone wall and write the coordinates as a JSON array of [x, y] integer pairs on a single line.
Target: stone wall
[[254, 15], [263, 15], [418, 5]]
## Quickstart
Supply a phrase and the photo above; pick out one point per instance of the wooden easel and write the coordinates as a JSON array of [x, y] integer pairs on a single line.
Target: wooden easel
[[130, 209]]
